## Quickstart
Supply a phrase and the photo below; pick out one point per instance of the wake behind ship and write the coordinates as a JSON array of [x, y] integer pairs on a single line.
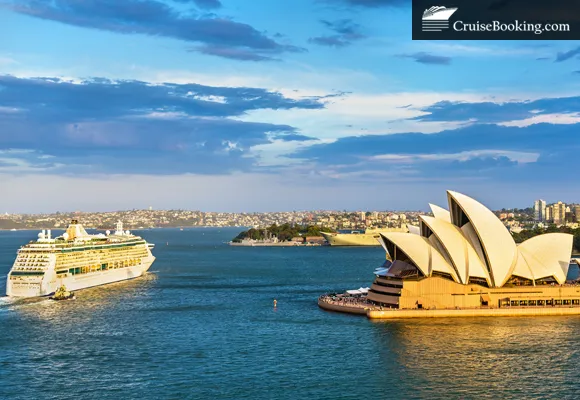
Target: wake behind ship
[[77, 260]]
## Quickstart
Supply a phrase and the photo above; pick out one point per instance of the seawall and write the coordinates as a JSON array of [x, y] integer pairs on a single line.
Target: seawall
[[342, 308], [475, 312]]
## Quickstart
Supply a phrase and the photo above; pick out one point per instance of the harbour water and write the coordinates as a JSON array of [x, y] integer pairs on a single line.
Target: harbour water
[[202, 325]]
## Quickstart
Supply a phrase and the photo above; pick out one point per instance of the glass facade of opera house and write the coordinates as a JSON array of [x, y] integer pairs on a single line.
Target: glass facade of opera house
[[464, 257]]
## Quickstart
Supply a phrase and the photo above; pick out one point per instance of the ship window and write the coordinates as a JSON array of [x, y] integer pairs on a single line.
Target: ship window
[[26, 273]]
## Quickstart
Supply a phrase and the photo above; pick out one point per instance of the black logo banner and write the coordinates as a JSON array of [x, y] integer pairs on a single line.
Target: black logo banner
[[496, 20]]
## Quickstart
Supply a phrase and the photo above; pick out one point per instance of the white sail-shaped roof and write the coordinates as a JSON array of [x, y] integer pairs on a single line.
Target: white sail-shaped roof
[[470, 244], [382, 242], [413, 229], [460, 251], [522, 266], [536, 268], [552, 252], [499, 248], [420, 251], [440, 212]]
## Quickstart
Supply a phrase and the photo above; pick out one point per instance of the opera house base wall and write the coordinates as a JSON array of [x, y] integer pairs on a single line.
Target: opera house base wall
[[341, 308], [435, 296], [476, 312]]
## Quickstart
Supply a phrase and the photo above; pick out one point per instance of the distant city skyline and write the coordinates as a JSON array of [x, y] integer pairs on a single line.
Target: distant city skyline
[[231, 105], [248, 204], [294, 210]]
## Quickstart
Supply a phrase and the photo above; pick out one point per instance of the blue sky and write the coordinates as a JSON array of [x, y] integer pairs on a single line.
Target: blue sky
[[231, 105]]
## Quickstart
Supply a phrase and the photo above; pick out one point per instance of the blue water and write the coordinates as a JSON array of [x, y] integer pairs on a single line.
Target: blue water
[[202, 325]]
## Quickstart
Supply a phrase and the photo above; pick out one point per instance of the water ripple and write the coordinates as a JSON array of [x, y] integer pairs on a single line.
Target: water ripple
[[203, 326]]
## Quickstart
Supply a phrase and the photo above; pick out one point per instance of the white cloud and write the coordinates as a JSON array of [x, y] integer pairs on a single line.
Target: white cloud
[[10, 110], [4, 61], [272, 154], [518, 156], [215, 99], [370, 114], [24, 161], [558, 119]]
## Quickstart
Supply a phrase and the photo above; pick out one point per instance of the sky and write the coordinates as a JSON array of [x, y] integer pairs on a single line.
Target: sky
[[272, 105]]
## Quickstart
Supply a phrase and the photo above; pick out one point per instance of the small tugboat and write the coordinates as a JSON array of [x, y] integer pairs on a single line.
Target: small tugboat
[[62, 294]]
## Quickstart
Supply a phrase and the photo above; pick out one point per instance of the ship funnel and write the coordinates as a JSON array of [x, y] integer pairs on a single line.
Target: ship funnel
[[48, 234]]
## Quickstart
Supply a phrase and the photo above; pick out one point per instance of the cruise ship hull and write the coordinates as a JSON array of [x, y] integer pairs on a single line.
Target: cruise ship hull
[[77, 260], [349, 239], [48, 283], [358, 239]]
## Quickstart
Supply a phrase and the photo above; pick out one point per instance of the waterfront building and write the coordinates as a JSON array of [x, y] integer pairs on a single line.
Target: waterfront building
[[466, 258], [540, 210]]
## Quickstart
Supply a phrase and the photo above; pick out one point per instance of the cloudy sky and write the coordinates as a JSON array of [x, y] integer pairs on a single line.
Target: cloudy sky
[[265, 105]]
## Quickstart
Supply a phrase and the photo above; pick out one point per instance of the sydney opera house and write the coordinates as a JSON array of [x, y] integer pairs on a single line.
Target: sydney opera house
[[466, 258]]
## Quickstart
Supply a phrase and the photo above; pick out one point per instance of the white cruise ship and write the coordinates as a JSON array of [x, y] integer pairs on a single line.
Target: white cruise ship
[[77, 260]]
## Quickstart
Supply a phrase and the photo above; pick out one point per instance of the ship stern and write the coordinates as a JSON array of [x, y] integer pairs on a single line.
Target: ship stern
[[27, 285]]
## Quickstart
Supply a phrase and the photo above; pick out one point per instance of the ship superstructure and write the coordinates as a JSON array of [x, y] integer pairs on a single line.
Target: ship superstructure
[[77, 260]]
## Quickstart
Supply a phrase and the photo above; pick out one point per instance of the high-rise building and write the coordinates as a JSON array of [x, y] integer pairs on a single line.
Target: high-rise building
[[363, 215], [559, 216], [549, 213], [540, 210], [577, 212]]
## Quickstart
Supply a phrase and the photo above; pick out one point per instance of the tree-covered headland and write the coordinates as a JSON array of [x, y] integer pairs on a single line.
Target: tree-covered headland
[[283, 232]]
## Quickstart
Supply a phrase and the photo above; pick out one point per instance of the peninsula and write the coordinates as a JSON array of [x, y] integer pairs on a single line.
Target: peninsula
[[282, 235]]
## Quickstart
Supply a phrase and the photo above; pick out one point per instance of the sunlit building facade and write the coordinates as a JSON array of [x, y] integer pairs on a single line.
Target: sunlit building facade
[[465, 257], [540, 210]]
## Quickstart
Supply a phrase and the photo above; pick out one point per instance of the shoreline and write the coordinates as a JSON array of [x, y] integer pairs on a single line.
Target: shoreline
[[475, 312], [133, 229], [279, 244]]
